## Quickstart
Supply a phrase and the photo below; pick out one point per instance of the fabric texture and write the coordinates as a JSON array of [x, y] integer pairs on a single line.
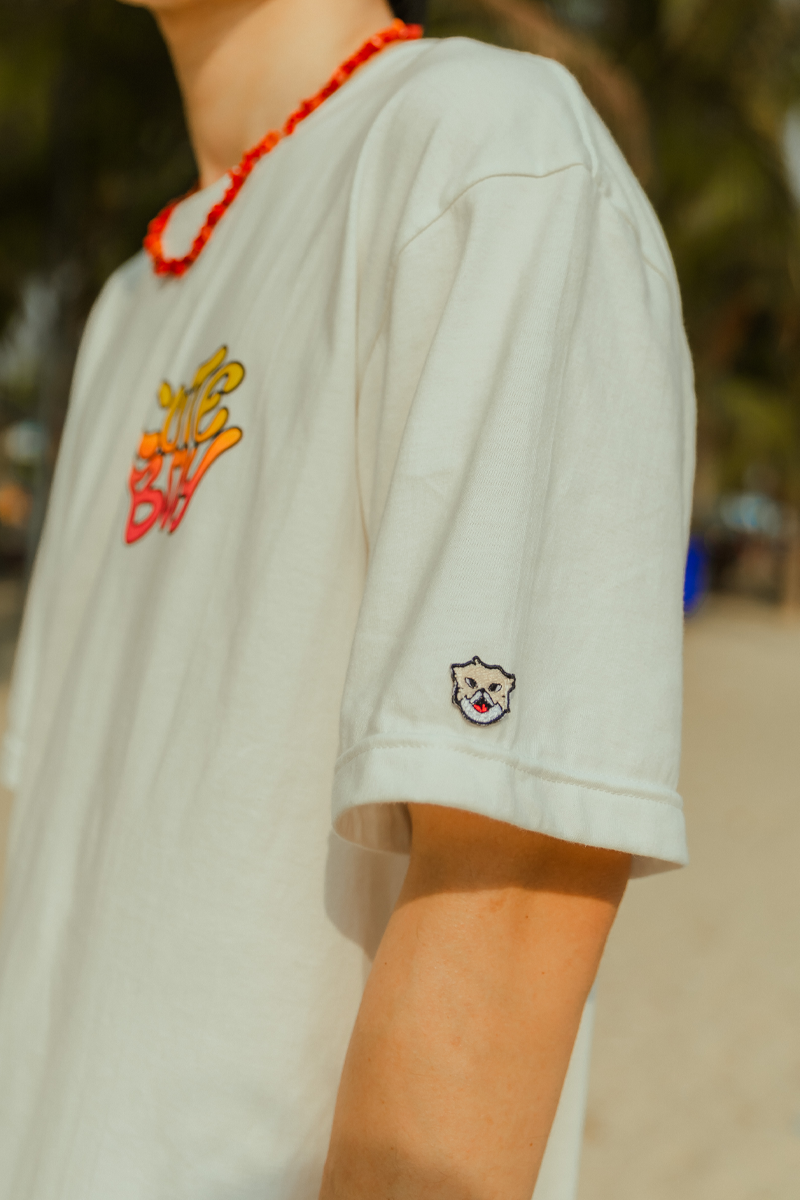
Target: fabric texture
[[418, 421], [528, 503]]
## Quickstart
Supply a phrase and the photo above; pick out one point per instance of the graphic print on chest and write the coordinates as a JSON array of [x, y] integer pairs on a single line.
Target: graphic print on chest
[[171, 461]]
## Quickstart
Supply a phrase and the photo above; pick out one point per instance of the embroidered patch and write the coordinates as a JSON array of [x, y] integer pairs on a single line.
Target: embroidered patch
[[170, 461], [482, 693]]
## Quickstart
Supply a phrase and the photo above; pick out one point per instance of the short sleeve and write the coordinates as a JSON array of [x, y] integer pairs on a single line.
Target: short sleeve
[[525, 441]]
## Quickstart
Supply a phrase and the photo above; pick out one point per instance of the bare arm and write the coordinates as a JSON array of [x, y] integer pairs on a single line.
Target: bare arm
[[469, 1016]]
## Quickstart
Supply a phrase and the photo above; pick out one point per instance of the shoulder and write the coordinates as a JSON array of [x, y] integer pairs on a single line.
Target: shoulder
[[127, 277], [121, 288], [460, 111], [514, 111], [110, 313], [118, 294]]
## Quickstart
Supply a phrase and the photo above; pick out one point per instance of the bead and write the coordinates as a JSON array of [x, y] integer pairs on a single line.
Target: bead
[[396, 32]]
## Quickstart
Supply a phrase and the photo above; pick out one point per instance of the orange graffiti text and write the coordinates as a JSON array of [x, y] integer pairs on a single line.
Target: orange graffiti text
[[171, 461]]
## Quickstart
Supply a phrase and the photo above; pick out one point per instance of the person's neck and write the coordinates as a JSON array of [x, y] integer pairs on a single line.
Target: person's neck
[[244, 65]]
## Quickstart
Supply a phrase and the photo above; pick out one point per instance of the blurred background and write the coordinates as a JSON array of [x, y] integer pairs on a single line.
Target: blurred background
[[696, 1085]]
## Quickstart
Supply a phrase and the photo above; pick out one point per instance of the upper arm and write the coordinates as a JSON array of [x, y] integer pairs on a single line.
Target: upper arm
[[456, 850]]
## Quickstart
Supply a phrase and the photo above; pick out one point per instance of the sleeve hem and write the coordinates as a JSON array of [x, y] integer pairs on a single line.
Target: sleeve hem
[[372, 788]]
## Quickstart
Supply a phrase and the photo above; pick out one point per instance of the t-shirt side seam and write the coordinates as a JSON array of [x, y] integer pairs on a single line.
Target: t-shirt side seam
[[547, 774]]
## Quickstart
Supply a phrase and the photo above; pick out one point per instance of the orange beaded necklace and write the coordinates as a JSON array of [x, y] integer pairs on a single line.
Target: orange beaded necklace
[[398, 31]]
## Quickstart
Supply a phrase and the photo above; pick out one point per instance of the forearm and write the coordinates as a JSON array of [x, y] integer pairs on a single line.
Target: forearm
[[468, 1019]]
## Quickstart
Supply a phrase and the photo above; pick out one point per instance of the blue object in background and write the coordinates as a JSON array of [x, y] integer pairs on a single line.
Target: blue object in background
[[695, 584]]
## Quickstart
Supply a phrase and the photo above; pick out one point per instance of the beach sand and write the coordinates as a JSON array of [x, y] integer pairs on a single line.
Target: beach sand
[[695, 1089]]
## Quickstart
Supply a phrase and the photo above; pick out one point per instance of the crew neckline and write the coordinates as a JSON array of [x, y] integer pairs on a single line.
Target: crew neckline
[[188, 215]]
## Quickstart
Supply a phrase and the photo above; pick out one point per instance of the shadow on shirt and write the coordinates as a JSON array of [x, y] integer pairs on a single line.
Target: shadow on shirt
[[361, 889]]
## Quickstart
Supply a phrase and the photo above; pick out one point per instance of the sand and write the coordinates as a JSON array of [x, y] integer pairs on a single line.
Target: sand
[[695, 1091]]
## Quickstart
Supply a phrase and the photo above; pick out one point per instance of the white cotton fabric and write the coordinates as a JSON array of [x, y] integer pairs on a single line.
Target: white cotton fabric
[[436, 346]]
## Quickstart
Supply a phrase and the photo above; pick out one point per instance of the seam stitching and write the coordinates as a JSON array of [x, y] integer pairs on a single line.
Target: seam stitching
[[439, 216], [524, 768], [599, 183]]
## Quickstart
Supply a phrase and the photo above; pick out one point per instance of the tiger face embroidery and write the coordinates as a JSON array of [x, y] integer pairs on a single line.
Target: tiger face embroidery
[[482, 693]]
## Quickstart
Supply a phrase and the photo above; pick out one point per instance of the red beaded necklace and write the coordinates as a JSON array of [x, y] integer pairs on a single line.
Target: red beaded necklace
[[396, 32]]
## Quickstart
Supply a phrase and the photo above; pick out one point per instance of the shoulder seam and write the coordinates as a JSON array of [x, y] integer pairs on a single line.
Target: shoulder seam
[[434, 220], [485, 179], [598, 182]]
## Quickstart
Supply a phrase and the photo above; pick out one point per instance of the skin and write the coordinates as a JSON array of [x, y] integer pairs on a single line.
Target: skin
[[470, 1012], [244, 65]]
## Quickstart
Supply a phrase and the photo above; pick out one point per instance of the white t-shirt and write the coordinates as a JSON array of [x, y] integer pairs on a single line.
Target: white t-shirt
[[411, 443]]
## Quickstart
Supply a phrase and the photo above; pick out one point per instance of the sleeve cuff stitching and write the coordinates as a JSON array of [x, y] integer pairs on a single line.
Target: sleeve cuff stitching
[[524, 768]]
